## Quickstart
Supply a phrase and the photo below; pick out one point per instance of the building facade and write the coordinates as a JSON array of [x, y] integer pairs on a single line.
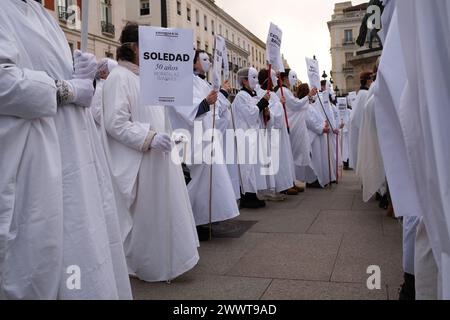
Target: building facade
[[106, 19], [207, 20], [204, 17], [348, 59]]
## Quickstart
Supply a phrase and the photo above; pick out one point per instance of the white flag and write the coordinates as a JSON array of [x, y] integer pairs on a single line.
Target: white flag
[[313, 73], [273, 48]]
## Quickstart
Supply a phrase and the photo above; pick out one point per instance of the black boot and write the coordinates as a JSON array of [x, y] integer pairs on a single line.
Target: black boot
[[203, 233], [251, 201], [408, 289]]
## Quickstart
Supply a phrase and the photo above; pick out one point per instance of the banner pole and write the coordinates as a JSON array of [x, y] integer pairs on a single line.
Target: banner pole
[[84, 25], [280, 83]]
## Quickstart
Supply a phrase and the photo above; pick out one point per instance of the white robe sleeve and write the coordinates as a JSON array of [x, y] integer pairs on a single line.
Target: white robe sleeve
[[118, 118], [24, 93], [97, 103], [246, 110], [313, 124], [293, 103]]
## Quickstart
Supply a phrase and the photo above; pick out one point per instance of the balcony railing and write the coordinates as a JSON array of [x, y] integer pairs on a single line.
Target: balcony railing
[[349, 42], [347, 67], [108, 28], [64, 13]]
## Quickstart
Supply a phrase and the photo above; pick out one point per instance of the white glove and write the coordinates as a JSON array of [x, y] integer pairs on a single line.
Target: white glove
[[82, 92], [162, 142], [85, 65]]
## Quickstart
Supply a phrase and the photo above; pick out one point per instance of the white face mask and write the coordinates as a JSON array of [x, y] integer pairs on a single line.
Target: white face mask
[[274, 78], [253, 78], [293, 78], [204, 61]]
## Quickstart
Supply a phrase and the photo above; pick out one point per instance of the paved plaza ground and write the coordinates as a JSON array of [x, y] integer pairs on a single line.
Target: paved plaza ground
[[317, 245]]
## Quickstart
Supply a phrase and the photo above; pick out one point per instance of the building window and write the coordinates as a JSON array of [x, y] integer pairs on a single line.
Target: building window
[[198, 44], [348, 36], [197, 17], [232, 37], [145, 7], [226, 34], [188, 12], [220, 30], [109, 54], [108, 27], [179, 7], [206, 48], [205, 20], [212, 27]]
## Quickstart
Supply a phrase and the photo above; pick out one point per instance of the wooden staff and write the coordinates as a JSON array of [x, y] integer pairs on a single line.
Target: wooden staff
[[167, 129], [211, 173], [337, 158], [280, 84]]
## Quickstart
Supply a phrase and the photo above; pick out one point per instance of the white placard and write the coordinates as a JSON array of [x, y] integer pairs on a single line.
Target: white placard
[[342, 103], [273, 48], [313, 73], [351, 99], [166, 61], [219, 50], [226, 64]]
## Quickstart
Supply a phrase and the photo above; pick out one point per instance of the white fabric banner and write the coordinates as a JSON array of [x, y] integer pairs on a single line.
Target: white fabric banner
[[273, 48], [219, 51], [313, 73], [166, 66]]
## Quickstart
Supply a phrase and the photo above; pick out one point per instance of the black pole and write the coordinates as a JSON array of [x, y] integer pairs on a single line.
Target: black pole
[[164, 19]]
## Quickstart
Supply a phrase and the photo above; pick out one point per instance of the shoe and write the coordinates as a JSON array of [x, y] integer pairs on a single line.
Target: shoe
[[314, 185], [203, 233], [250, 201], [408, 289], [275, 197], [291, 192], [300, 187]]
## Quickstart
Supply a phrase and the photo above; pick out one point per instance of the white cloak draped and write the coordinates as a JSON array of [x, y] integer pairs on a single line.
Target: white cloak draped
[[301, 146], [248, 119], [162, 240], [355, 124], [284, 178], [424, 115], [43, 239], [370, 162], [319, 169], [224, 204]]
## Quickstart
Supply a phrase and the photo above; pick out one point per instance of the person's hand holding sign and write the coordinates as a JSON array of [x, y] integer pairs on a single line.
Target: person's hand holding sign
[[212, 97]]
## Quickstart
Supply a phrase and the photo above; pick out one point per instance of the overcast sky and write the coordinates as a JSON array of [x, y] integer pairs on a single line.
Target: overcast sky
[[304, 25]]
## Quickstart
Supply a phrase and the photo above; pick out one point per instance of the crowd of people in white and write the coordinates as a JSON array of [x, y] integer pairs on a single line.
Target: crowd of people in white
[[88, 179]]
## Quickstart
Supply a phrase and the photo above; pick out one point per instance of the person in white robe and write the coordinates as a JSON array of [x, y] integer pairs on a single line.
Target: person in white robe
[[278, 136], [104, 68], [251, 114], [391, 79], [356, 117], [297, 110], [317, 174], [57, 210], [332, 118], [159, 233], [198, 121], [424, 116]]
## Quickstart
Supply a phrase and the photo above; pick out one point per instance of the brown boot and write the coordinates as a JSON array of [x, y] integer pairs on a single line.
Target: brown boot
[[390, 211], [291, 192]]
